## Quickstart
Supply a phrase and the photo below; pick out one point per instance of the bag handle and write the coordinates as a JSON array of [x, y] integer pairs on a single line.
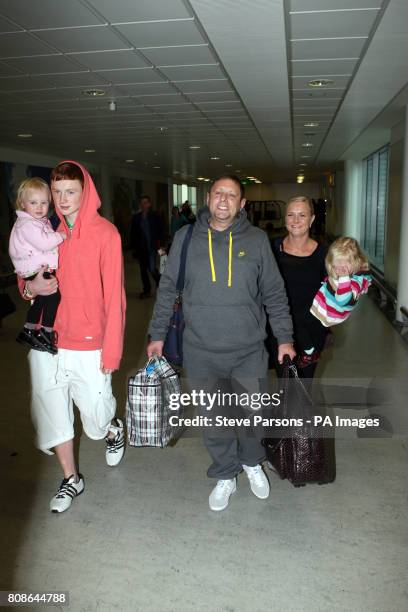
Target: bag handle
[[183, 260], [290, 369]]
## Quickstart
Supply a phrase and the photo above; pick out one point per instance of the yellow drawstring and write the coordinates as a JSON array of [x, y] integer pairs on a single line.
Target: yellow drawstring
[[230, 261], [214, 278], [213, 275]]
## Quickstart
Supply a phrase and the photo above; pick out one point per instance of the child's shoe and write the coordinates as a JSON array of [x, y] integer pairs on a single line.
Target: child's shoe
[[29, 337], [48, 340], [303, 359]]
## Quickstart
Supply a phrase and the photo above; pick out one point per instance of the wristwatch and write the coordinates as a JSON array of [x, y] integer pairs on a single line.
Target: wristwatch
[[27, 295]]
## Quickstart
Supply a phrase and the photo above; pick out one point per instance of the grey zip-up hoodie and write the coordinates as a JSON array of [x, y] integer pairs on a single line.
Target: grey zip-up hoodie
[[231, 279]]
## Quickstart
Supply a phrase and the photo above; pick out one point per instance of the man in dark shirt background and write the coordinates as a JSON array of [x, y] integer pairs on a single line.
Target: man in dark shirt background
[[145, 238]]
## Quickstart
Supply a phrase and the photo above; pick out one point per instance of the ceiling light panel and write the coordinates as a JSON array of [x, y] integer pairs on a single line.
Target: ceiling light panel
[[131, 75], [44, 64], [21, 44], [142, 10], [213, 96], [203, 85], [145, 89], [327, 49], [51, 14], [312, 68], [332, 24], [109, 60], [329, 5], [23, 83], [162, 33], [193, 73], [96, 38], [180, 56]]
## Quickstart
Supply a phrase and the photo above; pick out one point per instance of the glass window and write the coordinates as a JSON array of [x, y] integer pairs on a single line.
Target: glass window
[[375, 205]]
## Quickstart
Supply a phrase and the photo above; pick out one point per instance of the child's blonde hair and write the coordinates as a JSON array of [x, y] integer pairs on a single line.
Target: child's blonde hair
[[31, 183], [350, 249]]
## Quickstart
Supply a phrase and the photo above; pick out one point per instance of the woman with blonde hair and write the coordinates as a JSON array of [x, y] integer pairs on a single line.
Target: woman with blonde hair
[[301, 262]]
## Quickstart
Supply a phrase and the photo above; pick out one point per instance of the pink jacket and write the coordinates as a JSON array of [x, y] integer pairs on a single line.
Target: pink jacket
[[33, 244]]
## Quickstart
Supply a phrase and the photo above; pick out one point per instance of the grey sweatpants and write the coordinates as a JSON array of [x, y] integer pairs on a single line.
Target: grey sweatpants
[[241, 372]]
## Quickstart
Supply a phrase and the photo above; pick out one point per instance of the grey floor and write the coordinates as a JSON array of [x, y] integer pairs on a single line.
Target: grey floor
[[142, 538]]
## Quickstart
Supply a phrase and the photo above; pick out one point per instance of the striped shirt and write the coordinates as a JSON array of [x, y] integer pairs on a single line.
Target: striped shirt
[[336, 298]]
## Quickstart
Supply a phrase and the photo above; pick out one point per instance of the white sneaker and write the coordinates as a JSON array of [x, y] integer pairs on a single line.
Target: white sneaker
[[258, 481], [221, 493], [115, 447], [66, 493]]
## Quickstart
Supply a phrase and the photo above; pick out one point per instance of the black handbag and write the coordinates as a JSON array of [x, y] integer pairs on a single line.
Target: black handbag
[[173, 345], [303, 457]]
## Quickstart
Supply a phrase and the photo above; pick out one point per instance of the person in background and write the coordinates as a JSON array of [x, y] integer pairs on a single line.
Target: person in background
[[146, 238], [187, 212], [177, 221]]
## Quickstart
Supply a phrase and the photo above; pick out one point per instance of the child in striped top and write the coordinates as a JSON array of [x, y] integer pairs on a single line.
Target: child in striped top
[[348, 278]]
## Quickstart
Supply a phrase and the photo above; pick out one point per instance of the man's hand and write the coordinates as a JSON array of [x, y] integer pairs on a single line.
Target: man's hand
[[155, 348], [286, 349], [43, 286]]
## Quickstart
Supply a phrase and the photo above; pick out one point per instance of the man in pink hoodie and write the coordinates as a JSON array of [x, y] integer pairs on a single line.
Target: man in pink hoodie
[[90, 326]]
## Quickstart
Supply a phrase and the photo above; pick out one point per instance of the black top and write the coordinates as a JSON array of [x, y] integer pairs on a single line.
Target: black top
[[303, 276]]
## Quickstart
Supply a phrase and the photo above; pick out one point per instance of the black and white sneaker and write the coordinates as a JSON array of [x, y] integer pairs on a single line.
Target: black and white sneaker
[[115, 447], [66, 493]]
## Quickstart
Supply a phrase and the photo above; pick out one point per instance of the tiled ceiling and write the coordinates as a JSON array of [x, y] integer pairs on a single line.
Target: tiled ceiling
[[228, 77]]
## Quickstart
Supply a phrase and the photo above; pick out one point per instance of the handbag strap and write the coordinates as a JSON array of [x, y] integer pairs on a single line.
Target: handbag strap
[[183, 260]]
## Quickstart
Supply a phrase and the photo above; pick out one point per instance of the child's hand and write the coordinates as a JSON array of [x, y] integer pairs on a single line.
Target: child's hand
[[341, 270]]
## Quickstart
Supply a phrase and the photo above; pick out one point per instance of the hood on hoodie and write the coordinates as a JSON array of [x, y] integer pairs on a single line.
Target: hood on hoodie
[[90, 201], [239, 225]]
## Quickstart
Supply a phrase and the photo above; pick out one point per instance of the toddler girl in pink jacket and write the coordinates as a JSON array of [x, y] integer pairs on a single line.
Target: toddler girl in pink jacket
[[33, 246]]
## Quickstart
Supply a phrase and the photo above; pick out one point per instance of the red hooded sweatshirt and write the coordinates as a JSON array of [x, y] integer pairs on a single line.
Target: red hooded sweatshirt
[[91, 314]]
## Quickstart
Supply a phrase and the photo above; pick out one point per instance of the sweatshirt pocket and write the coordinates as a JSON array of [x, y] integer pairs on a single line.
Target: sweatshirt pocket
[[75, 321], [222, 327]]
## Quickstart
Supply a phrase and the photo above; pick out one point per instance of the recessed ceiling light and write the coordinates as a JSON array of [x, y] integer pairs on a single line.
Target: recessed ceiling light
[[89, 150], [307, 145], [300, 179], [228, 165], [93, 93], [200, 178], [176, 172], [258, 182], [251, 177], [310, 133], [195, 147], [305, 156], [25, 135], [238, 171], [129, 161], [156, 167], [320, 83], [311, 124], [302, 164], [215, 157]]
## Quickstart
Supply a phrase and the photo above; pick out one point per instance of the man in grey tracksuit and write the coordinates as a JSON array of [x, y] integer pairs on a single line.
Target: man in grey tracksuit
[[231, 279]]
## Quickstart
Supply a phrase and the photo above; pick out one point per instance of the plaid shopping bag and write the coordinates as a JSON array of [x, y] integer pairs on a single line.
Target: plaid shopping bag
[[148, 409]]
